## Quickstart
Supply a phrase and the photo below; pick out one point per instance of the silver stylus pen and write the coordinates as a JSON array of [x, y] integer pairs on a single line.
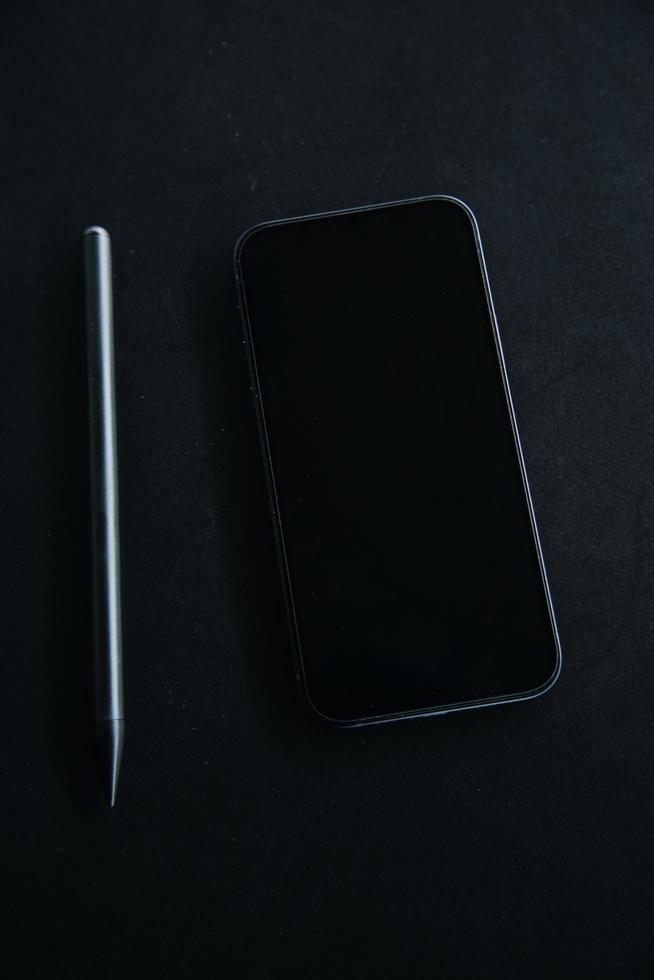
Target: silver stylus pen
[[109, 709]]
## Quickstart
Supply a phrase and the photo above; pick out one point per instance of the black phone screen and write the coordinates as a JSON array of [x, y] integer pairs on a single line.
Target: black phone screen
[[411, 567]]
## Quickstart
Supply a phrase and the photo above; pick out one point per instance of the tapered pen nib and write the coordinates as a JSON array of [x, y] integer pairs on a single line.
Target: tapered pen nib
[[111, 736]]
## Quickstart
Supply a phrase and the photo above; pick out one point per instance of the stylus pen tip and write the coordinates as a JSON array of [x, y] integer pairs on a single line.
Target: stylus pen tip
[[111, 737]]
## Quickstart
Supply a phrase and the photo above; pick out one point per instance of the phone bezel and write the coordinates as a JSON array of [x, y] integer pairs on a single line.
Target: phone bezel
[[272, 492]]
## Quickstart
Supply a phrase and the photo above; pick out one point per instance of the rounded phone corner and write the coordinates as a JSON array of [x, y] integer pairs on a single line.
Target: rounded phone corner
[[554, 676], [317, 714], [459, 203], [242, 239], [432, 199], [322, 717], [547, 684]]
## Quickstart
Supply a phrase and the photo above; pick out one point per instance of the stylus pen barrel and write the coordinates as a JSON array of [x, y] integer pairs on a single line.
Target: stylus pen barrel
[[104, 477]]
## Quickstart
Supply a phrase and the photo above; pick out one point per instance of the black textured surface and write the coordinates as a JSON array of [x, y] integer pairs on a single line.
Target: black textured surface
[[246, 840]]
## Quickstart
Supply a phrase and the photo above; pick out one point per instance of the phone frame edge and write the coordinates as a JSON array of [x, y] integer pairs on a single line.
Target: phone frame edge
[[272, 491]]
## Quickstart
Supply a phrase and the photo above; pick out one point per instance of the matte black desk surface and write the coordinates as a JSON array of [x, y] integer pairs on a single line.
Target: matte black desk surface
[[248, 841]]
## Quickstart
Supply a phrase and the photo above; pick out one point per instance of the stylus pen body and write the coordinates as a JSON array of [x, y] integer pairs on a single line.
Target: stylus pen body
[[107, 625]]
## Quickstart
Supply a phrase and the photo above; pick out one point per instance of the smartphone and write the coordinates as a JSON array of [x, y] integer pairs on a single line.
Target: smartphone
[[409, 556]]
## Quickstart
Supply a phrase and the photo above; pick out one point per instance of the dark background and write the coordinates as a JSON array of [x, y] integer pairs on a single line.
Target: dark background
[[248, 841]]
